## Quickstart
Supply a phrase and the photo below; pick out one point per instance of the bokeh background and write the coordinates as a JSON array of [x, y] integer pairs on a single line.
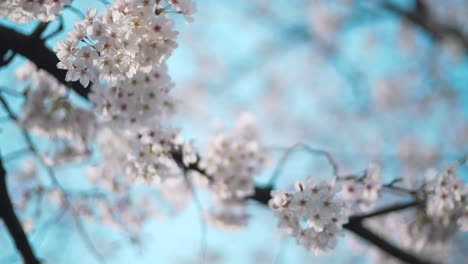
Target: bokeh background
[[347, 76]]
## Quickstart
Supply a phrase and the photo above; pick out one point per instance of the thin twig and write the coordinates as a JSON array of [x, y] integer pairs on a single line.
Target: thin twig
[[203, 227], [11, 92], [314, 151], [76, 11], [386, 210], [282, 249], [16, 154], [50, 172]]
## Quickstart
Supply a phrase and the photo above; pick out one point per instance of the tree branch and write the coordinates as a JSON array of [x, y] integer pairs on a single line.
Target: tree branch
[[35, 50], [7, 213], [50, 172], [385, 210], [262, 195], [355, 225], [358, 229]]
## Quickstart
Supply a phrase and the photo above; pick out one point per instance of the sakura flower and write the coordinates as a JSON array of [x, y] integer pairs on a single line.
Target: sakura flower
[[186, 7], [23, 11], [316, 204], [359, 194], [128, 38]]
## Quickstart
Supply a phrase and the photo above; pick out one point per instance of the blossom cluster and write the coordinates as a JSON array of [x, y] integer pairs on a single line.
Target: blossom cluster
[[447, 199], [23, 11], [428, 231], [48, 112], [313, 213], [132, 36], [150, 157], [122, 170], [123, 52], [361, 193], [233, 160], [141, 102]]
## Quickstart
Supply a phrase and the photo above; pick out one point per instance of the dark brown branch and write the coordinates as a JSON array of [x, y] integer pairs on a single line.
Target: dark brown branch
[[36, 34], [35, 50], [13, 225], [358, 229], [386, 210], [355, 225]]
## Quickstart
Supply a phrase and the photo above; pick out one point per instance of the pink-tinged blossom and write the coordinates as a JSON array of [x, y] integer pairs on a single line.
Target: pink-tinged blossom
[[232, 160], [129, 37], [360, 194], [312, 214]]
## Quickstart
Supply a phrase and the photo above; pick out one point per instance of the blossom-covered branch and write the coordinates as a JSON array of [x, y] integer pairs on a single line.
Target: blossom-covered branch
[[36, 51], [262, 195]]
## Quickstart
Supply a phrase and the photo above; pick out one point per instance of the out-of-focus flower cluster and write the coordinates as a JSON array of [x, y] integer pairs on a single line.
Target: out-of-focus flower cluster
[[48, 112], [141, 102], [233, 159], [447, 199], [23, 11]]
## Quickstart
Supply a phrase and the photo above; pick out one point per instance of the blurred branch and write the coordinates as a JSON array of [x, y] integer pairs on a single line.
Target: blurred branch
[[11, 92], [313, 151], [355, 225], [420, 17], [385, 210], [203, 227], [76, 11], [16, 154], [12, 223], [50, 172], [361, 231]]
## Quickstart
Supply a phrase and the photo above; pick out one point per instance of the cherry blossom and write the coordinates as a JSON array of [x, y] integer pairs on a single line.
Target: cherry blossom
[[360, 193], [24, 10], [313, 214]]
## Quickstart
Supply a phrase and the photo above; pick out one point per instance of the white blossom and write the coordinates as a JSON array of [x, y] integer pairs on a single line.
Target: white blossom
[[360, 194], [48, 112], [312, 214], [23, 11], [446, 195], [233, 159]]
